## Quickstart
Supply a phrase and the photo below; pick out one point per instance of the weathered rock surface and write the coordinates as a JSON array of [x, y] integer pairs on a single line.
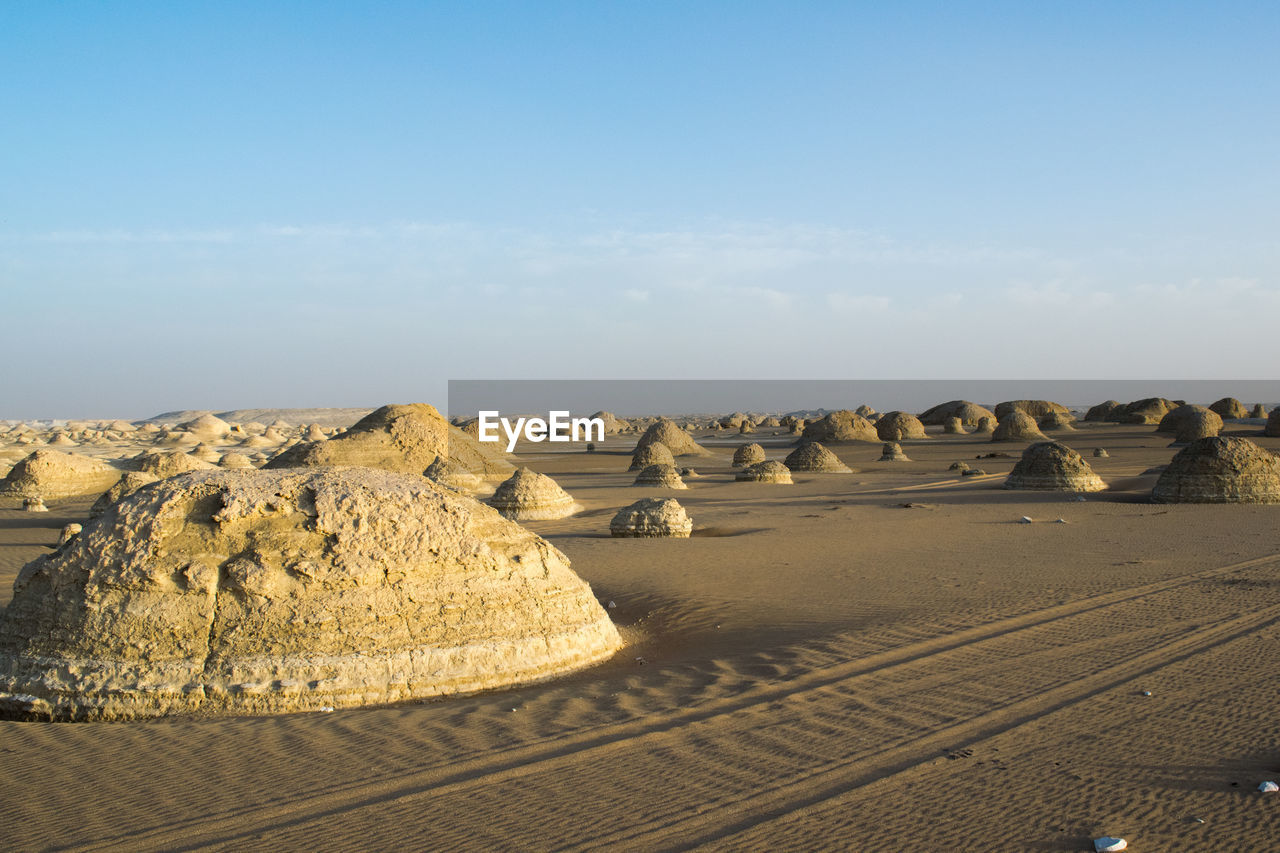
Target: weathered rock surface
[[655, 453], [661, 476], [235, 592], [748, 454], [1017, 426], [968, 413], [1037, 409], [52, 474], [1220, 470], [1050, 466], [651, 518], [898, 426], [892, 452], [667, 432], [839, 426], [529, 496], [771, 471], [815, 459], [125, 486], [401, 438]]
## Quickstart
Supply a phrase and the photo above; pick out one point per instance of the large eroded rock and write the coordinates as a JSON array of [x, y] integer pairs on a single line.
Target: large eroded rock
[[270, 591], [53, 474], [405, 439]]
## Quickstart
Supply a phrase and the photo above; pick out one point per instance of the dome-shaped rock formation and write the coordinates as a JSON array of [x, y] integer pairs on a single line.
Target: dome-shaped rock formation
[[1272, 429], [655, 453], [1050, 466], [748, 454], [1102, 411], [400, 438], [1229, 408], [529, 496], [652, 518], [771, 471], [51, 474], [1056, 421], [207, 427], [1195, 425], [1220, 470], [661, 476], [679, 442], [274, 591], [1037, 409], [169, 463], [892, 452], [1017, 426], [840, 426], [898, 426], [968, 413], [813, 458]]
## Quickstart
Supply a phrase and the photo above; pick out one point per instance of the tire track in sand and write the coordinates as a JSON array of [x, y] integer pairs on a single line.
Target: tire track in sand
[[821, 780]]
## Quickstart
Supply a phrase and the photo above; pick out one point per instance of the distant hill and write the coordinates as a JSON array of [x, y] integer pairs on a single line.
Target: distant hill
[[296, 417]]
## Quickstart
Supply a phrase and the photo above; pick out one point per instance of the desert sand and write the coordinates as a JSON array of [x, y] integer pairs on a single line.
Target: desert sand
[[885, 659]]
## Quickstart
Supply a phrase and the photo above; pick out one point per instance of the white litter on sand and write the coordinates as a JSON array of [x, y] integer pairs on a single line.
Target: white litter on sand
[[1107, 844]]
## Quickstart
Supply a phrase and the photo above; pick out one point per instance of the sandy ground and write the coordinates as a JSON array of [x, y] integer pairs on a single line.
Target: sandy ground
[[821, 667]]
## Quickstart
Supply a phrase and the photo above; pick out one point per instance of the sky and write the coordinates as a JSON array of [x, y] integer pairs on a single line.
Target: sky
[[234, 204]]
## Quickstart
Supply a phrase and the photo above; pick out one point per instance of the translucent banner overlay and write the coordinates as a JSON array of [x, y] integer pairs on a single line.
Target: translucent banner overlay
[[635, 397]]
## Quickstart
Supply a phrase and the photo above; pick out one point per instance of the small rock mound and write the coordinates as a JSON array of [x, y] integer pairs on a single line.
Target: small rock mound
[[1272, 429], [249, 592], [667, 432], [235, 460], [1220, 470], [1017, 426], [651, 454], [1258, 411], [662, 476], [529, 496], [1050, 466], [1148, 410], [985, 426], [1193, 426], [169, 463], [1229, 408], [35, 504], [52, 474], [968, 413], [1102, 411], [840, 426], [748, 454], [953, 426], [771, 471], [652, 518], [1100, 453], [1037, 409], [898, 426], [1173, 418], [1055, 421], [813, 458], [206, 427], [404, 439], [892, 452]]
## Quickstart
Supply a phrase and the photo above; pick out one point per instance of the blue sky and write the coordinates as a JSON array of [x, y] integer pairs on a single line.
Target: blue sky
[[243, 204]]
